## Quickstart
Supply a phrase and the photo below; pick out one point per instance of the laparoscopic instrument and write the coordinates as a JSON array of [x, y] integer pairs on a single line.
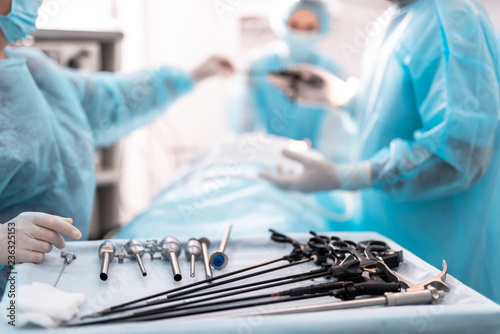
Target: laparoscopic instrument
[[68, 258], [106, 254], [193, 253], [348, 267], [219, 259], [205, 244], [300, 254], [431, 291], [295, 76], [170, 251], [133, 249]]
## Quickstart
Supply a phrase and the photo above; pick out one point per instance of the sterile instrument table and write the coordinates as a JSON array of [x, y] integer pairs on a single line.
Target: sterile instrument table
[[462, 311]]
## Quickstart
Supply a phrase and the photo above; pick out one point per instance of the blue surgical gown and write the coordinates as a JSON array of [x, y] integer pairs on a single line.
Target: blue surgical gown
[[428, 111], [257, 105], [51, 121]]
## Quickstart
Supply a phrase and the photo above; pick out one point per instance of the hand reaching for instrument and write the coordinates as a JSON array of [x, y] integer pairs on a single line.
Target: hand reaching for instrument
[[30, 235], [214, 65]]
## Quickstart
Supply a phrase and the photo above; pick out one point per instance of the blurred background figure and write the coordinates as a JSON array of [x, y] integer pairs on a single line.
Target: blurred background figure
[[428, 158], [256, 105]]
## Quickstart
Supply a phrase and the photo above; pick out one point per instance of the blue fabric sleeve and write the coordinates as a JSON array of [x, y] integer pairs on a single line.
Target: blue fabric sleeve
[[456, 91], [117, 104]]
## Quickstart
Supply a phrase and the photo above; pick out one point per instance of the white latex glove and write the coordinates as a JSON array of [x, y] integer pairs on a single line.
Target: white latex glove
[[321, 175], [315, 86], [214, 65], [30, 235]]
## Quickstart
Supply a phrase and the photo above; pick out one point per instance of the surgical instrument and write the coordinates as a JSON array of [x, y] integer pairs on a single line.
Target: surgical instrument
[[296, 77], [152, 248], [437, 282], [68, 258], [340, 289], [165, 297], [335, 289], [431, 291], [106, 254], [205, 244], [293, 258], [135, 250], [319, 250], [180, 291], [300, 254], [170, 251], [219, 259], [324, 272], [230, 291], [349, 268], [236, 290], [318, 255], [193, 252]]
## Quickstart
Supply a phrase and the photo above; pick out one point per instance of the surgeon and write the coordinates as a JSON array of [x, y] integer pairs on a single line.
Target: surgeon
[[51, 121], [257, 105], [428, 148]]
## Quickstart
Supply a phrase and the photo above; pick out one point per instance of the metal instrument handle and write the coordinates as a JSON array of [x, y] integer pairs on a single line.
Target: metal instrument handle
[[104, 267], [206, 260], [175, 266], [225, 238]]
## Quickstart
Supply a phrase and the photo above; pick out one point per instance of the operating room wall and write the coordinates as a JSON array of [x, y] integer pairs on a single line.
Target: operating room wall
[[183, 33]]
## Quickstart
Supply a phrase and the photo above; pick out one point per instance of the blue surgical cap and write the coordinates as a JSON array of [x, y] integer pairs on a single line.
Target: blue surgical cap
[[283, 9]]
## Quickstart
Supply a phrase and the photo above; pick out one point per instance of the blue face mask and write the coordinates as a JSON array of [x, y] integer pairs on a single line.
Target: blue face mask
[[301, 45], [21, 21]]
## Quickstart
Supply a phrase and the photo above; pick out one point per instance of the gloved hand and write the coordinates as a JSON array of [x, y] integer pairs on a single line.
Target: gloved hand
[[315, 86], [321, 175], [214, 65], [35, 233]]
